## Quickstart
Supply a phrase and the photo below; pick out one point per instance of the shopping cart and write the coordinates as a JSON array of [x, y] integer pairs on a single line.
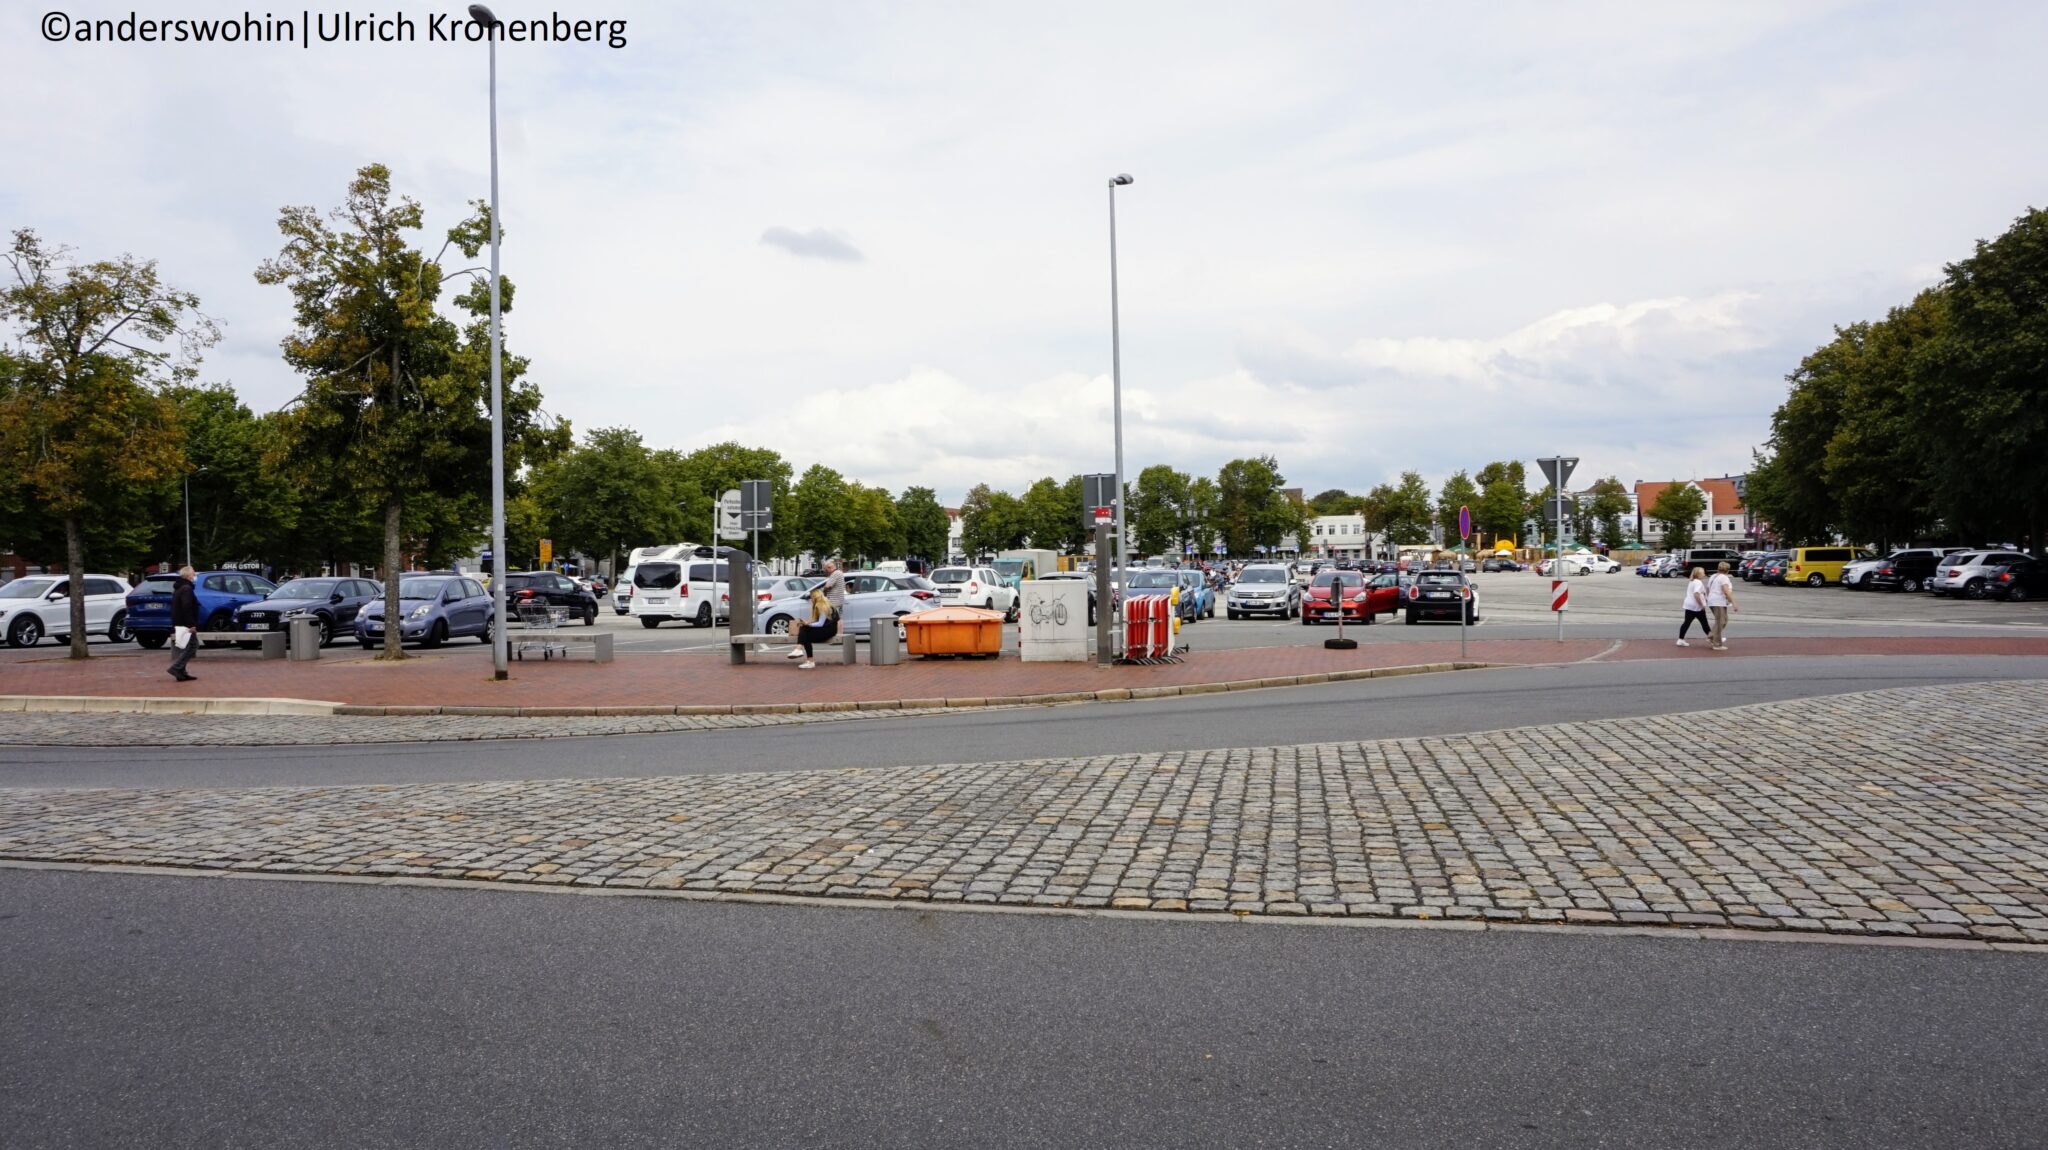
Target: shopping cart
[[542, 618]]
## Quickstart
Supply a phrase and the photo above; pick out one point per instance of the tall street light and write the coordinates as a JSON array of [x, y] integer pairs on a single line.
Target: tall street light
[[1116, 384], [500, 652], [188, 513]]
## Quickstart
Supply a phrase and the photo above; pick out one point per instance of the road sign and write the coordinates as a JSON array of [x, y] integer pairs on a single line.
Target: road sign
[[1560, 592], [1464, 522], [1105, 514], [729, 516], [547, 552], [1098, 499], [1558, 469], [757, 504]]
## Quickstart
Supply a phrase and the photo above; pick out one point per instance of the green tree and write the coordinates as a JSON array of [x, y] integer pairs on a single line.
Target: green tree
[[707, 473], [923, 521], [85, 426], [1204, 498], [1878, 474], [1607, 512], [1678, 507], [1158, 509], [1335, 501], [241, 507], [1406, 511], [871, 528], [606, 496], [1251, 512], [1047, 519], [397, 393], [1503, 501], [817, 516], [1458, 491]]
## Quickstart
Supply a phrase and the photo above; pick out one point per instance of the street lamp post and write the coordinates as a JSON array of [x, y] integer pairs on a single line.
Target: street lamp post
[[1116, 384], [500, 650], [188, 513]]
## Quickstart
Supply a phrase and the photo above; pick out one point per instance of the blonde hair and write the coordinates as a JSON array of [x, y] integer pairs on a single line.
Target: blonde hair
[[1699, 572]]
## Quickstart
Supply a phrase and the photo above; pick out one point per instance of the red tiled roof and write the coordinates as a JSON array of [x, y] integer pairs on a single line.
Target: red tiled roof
[[1725, 501]]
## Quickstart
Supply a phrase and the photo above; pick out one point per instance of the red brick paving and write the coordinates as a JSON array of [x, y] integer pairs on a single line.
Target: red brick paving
[[463, 678]]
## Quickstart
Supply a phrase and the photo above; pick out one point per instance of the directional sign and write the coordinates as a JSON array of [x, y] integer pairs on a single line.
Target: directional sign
[[757, 504], [729, 516], [1098, 495], [547, 552], [1464, 522], [1558, 470]]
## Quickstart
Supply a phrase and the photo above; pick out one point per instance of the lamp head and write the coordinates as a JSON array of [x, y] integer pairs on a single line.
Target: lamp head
[[481, 13], [1121, 178]]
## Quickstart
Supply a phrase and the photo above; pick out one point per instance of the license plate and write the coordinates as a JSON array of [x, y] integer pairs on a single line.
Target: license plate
[[1436, 594], [656, 599]]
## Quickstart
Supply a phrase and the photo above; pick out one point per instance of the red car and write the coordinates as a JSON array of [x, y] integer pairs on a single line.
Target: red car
[[1361, 601]]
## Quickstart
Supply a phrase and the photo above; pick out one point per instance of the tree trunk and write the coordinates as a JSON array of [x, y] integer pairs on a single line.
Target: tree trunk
[[74, 564], [394, 633]]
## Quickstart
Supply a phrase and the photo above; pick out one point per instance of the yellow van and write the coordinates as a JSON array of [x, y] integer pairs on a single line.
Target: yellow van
[[1818, 566]]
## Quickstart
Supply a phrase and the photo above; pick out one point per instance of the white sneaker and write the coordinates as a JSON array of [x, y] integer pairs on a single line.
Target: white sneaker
[[795, 653], [1683, 643], [805, 665]]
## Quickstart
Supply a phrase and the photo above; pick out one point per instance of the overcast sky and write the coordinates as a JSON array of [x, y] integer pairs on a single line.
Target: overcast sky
[[1363, 237]]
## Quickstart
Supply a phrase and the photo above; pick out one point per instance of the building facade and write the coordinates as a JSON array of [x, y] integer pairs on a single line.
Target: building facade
[[1724, 523]]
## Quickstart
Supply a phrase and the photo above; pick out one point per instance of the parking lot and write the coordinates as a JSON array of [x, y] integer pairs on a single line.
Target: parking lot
[[1513, 605]]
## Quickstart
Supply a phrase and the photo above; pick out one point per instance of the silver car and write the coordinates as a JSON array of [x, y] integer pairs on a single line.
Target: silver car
[[1963, 573], [1263, 589], [870, 595]]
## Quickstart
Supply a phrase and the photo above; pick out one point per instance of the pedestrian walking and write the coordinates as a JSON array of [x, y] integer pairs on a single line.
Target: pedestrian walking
[[184, 625], [1720, 601], [1696, 607], [828, 599]]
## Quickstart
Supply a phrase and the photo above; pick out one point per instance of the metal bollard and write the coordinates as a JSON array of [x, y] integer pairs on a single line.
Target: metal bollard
[[304, 641], [884, 647]]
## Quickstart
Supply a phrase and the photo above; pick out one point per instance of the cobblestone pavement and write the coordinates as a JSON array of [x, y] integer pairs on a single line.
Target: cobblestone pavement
[[1921, 811], [127, 729]]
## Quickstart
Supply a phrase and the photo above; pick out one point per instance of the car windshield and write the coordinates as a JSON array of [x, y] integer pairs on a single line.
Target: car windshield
[[1262, 575], [1440, 579], [951, 575], [1349, 579], [1155, 579], [660, 576], [422, 588], [26, 588], [306, 589], [154, 585], [1008, 567]]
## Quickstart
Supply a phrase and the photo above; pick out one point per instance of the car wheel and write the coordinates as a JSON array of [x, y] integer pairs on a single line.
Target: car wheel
[[781, 625], [1816, 580], [703, 618], [2018, 594], [436, 634], [1307, 622], [1232, 614], [650, 622], [1409, 618], [1909, 585], [153, 641], [485, 636], [1974, 589], [590, 615], [26, 632], [326, 626], [117, 628]]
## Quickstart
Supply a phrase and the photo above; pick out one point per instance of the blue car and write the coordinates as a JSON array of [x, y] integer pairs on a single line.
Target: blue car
[[433, 610], [221, 594], [332, 603]]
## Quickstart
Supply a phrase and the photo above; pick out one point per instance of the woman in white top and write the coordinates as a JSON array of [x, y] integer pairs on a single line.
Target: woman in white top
[[1720, 601], [1695, 607]]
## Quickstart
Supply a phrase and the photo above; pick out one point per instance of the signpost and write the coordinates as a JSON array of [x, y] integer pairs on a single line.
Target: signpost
[[727, 523], [1560, 597], [1465, 541], [1098, 514], [757, 508], [547, 552], [1558, 469]]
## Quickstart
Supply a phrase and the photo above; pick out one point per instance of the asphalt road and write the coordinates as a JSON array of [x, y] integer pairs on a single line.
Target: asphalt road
[[1369, 709], [218, 1013]]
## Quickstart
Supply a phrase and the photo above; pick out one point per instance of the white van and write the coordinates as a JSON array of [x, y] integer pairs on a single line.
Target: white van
[[622, 594], [692, 590]]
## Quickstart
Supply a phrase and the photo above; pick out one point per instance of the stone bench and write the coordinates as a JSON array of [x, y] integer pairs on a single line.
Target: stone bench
[[740, 643], [600, 642]]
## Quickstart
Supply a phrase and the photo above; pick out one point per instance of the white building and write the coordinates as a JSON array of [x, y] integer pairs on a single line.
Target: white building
[[1724, 523]]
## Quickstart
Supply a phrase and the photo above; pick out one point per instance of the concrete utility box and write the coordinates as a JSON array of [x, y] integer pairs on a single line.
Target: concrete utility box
[[305, 639], [1052, 622]]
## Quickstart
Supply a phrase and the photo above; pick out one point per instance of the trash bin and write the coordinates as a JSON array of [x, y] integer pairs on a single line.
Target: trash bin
[[955, 631], [304, 640], [883, 648]]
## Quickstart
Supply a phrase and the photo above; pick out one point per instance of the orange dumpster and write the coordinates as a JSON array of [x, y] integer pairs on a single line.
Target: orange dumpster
[[955, 631]]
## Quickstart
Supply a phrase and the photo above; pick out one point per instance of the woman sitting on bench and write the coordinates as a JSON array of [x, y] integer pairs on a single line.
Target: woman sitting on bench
[[822, 627]]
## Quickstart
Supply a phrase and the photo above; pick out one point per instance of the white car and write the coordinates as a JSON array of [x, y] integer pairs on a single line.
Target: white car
[[622, 595], [1587, 563], [974, 587], [692, 590], [40, 605]]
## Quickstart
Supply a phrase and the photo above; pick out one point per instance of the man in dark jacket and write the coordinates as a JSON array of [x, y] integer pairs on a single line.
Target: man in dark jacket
[[184, 625]]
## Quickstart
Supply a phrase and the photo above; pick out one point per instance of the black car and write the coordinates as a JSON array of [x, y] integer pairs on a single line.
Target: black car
[[2017, 582], [548, 589], [1760, 571], [1439, 595], [1906, 570], [333, 602]]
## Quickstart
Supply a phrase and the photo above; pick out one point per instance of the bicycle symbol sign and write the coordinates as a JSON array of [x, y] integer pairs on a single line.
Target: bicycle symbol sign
[[1054, 613]]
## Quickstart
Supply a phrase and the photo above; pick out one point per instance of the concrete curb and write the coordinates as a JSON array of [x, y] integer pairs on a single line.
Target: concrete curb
[[176, 706], [1191, 918]]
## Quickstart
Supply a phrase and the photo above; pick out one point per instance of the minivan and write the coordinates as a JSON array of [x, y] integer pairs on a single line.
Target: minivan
[[1818, 566], [694, 590]]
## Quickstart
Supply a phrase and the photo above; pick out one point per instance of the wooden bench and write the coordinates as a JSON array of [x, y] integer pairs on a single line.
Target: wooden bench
[[600, 641], [740, 643]]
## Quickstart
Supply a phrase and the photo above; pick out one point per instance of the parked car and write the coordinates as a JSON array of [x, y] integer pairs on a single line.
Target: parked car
[[622, 594], [2017, 582], [870, 595], [976, 587], [1263, 589], [433, 610], [1195, 585], [1648, 566], [1750, 560], [1441, 594], [1856, 573], [1906, 570], [333, 603], [1596, 564], [38, 605], [1772, 569], [1667, 567], [768, 588], [1161, 581], [220, 594], [548, 589], [1084, 576], [694, 590], [1818, 566], [1966, 573]]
